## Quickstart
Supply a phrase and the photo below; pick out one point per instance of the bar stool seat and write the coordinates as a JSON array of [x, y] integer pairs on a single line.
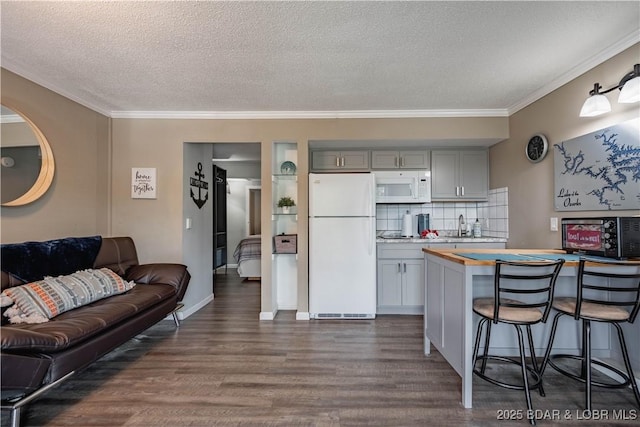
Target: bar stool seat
[[591, 310], [523, 292], [608, 291], [486, 307]]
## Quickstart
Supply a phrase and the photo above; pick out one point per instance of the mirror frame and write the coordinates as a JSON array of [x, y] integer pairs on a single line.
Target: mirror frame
[[47, 167]]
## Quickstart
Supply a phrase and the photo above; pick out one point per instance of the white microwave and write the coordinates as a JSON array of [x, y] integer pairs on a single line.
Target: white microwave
[[403, 186]]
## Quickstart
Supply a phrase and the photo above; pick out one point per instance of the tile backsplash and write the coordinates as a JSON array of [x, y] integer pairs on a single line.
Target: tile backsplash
[[443, 216]]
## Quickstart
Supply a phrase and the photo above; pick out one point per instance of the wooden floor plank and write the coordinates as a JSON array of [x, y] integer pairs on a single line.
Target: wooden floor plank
[[224, 367]]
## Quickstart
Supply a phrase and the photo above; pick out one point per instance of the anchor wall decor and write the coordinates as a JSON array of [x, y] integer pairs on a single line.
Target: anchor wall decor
[[199, 183]]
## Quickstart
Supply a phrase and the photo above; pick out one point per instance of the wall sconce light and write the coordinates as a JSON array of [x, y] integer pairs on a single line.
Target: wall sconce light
[[598, 104]]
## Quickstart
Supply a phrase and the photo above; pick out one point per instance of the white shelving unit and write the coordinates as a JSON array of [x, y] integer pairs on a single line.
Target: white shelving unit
[[284, 183]]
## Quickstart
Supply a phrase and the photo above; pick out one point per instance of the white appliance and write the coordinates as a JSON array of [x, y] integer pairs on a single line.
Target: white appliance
[[403, 186], [342, 246]]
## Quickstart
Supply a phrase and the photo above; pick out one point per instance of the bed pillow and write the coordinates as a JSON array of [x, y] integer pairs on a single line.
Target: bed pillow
[[37, 302]]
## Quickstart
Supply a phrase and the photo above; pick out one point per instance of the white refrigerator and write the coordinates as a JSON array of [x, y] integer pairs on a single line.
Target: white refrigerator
[[342, 246]]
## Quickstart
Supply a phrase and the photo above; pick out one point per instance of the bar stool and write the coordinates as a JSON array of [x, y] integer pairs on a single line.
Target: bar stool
[[608, 291], [534, 283]]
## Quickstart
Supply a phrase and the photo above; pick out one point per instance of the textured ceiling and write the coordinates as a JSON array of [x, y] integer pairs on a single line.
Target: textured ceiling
[[456, 57]]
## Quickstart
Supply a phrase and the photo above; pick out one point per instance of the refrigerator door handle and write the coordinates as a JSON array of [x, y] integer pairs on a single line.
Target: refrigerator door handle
[[371, 235], [370, 187]]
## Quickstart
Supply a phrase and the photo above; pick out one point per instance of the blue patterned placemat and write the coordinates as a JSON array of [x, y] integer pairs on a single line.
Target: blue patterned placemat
[[566, 257], [492, 257], [519, 257]]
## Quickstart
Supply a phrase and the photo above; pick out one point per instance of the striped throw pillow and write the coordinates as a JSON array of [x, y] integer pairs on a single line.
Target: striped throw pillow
[[37, 302]]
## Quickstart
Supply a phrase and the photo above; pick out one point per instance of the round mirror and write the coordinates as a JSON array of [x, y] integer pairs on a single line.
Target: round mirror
[[27, 166]]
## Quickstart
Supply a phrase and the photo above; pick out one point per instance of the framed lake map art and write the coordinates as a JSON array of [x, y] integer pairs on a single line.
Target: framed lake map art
[[600, 170]]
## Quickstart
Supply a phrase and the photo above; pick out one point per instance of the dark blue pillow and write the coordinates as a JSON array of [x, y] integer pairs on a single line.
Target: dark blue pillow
[[31, 261]]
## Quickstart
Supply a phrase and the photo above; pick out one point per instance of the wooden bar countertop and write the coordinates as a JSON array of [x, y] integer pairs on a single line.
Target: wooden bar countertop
[[450, 254]]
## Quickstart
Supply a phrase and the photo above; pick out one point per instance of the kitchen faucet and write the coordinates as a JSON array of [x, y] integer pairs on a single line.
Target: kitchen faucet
[[462, 227]]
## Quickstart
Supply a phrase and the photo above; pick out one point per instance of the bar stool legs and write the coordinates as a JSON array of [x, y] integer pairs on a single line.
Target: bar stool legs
[[586, 362], [532, 370], [627, 362]]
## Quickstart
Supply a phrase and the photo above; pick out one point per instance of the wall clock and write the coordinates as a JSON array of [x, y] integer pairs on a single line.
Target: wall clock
[[536, 148]]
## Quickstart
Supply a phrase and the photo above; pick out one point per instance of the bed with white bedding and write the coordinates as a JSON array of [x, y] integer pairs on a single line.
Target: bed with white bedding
[[247, 256]]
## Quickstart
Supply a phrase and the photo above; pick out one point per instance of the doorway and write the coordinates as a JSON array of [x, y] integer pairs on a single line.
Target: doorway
[[253, 211]]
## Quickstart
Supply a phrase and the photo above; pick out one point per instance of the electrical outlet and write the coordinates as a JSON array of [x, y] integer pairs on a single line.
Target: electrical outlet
[[553, 223]]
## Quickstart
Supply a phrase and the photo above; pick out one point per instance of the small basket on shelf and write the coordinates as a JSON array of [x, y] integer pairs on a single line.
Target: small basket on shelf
[[285, 243]]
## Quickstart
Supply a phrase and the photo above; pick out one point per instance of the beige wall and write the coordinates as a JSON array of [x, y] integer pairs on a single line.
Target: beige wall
[[76, 204], [157, 225], [531, 186]]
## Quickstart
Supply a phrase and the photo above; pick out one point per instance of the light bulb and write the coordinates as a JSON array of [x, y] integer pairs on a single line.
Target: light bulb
[[630, 92], [595, 105]]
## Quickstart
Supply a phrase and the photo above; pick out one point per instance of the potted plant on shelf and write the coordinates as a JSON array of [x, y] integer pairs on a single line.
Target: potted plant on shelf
[[285, 203]]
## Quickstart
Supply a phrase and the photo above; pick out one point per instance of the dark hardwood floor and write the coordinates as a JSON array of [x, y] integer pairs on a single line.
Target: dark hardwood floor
[[225, 367]]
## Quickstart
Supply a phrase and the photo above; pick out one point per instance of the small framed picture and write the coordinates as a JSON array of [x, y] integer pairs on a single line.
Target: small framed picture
[[143, 183]]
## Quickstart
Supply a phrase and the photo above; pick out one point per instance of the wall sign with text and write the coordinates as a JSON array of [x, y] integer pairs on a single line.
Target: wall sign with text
[[599, 171], [143, 183]]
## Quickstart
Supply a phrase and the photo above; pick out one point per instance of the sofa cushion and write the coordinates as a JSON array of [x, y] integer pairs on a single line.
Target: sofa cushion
[[31, 261], [39, 301], [75, 326]]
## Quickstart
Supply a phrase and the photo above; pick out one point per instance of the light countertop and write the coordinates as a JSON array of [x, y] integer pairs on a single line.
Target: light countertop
[[443, 239], [451, 255]]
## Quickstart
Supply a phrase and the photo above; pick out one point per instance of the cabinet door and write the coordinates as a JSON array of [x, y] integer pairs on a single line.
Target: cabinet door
[[418, 159], [444, 174], [355, 160], [389, 282], [384, 160], [413, 282], [474, 174], [325, 160]]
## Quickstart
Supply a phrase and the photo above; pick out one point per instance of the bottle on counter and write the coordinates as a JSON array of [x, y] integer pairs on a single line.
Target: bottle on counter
[[477, 229]]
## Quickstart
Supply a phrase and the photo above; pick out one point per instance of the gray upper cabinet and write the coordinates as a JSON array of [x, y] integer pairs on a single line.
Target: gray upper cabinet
[[406, 159], [459, 175], [356, 160]]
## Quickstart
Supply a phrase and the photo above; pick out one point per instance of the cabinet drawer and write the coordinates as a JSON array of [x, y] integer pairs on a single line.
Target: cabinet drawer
[[400, 250]]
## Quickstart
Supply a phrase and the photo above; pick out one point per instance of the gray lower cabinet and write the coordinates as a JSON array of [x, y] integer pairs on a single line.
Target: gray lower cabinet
[[401, 276], [356, 160], [400, 289]]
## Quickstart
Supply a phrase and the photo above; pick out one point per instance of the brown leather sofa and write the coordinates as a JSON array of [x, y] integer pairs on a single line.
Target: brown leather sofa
[[35, 357]]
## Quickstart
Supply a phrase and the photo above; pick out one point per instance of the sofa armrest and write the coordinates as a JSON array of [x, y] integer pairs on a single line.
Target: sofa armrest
[[175, 275]]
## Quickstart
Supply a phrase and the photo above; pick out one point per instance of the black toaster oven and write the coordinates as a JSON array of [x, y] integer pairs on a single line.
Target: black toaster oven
[[611, 237]]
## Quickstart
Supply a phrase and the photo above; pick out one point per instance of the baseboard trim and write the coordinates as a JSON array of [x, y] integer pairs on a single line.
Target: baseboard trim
[[267, 315], [302, 315], [183, 314]]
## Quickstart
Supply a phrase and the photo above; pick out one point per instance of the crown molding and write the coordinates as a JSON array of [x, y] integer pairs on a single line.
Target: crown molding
[[16, 69], [274, 115], [577, 71]]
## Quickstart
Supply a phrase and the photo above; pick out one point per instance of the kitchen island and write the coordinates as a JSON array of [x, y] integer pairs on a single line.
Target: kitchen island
[[454, 277]]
